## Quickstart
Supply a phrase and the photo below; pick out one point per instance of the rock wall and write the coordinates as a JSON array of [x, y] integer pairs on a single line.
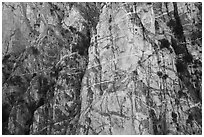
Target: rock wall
[[132, 84], [102, 68]]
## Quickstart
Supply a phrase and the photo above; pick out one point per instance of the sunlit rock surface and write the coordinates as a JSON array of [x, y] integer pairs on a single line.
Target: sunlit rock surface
[[131, 86]]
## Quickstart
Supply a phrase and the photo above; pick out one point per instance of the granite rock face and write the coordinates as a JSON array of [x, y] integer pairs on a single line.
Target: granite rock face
[[132, 83], [102, 68]]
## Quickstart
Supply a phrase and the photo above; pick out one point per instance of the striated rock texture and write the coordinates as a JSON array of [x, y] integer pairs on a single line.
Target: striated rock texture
[[102, 68]]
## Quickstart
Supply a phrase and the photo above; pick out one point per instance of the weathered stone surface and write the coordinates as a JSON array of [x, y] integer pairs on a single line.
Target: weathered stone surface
[[128, 79], [102, 68]]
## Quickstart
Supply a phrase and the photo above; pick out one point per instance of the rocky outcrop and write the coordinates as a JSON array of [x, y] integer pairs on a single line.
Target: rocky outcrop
[[133, 83], [102, 68]]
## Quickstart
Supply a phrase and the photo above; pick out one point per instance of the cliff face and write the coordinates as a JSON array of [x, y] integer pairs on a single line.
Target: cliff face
[[133, 84], [104, 68]]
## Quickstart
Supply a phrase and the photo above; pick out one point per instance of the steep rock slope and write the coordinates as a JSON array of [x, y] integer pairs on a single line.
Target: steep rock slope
[[102, 68], [41, 92], [133, 83]]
